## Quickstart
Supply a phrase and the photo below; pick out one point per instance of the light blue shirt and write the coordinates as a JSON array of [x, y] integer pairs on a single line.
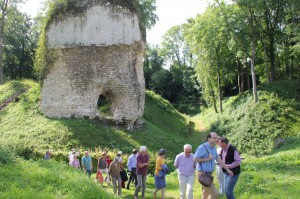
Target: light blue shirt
[[202, 153], [86, 162], [131, 162]]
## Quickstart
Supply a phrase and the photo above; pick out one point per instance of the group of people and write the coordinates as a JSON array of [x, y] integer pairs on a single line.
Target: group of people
[[226, 159]]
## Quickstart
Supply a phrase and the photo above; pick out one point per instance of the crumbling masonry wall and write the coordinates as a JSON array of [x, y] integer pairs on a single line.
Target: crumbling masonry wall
[[97, 52]]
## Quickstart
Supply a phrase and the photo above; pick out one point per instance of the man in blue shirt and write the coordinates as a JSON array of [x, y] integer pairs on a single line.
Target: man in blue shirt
[[205, 156], [131, 164], [87, 164]]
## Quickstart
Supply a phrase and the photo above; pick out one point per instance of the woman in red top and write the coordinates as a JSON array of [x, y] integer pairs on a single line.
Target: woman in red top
[[108, 160]]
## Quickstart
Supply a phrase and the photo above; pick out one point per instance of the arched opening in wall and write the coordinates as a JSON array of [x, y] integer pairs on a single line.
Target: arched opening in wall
[[104, 106]]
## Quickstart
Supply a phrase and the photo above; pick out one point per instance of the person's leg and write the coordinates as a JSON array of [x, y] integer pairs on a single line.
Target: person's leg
[[210, 192], [119, 185], [154, 193], [163, 193], [107, 175], [182, 185], [144, 178], [89, 173], [134, 176], [230, 183], [189, 186], [114, 182], [130, 179], [221, 180], [139, 185]]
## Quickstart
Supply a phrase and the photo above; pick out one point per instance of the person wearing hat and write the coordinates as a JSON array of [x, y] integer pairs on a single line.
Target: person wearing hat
[[114, 171], [119, 154], [72, 153], [75, 162], [160, 174]]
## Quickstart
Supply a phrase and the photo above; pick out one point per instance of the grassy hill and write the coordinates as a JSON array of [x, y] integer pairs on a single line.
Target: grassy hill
[[27, 133], [254, 128]]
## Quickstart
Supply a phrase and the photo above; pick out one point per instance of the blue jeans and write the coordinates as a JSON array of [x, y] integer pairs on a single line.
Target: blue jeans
[[230, 182], [89, 173]]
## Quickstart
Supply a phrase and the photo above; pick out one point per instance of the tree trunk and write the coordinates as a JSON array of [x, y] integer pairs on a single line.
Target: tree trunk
[[253, 71], [214, 104], [247, 74], [220, 89], [267, 64], [272, 58], [1, 62], [239, 75], [243, 79]]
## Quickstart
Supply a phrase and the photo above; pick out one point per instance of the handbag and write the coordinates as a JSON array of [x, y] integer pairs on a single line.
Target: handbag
[[205, 178]]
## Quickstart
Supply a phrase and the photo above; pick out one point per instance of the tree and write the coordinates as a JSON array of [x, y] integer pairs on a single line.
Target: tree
[[207, 36], [179, 60], [21, 41], [4, 9]]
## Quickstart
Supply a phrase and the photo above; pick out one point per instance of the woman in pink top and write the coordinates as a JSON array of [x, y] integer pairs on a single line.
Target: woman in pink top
[[75, 162]]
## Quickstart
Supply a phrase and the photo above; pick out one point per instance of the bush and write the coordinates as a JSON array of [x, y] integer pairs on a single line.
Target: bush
[[253, 128], [6, 155]]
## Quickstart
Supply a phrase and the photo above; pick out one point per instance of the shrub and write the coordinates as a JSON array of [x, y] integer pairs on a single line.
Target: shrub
[[6, 155]]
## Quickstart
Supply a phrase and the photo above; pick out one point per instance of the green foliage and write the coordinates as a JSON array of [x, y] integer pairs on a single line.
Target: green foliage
[[253, 128], [7, 90], [7, 156], [20, 40], [30, 134], [47, 179], [178, 83]]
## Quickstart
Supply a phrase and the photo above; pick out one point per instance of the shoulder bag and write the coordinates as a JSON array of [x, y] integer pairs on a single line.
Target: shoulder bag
[[205, 178]]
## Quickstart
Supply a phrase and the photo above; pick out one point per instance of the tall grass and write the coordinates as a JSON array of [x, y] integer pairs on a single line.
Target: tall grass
[[25, 129], [254, 128]]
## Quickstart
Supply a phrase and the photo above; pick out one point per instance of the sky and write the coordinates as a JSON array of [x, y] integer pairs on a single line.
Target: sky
[[169, 12]]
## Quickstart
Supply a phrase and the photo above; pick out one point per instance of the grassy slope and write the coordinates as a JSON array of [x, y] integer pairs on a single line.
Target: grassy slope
[[268, 177], [25, 128], [254, 127]]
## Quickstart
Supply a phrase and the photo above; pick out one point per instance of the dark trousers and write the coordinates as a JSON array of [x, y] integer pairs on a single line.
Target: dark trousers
[[132, 177]]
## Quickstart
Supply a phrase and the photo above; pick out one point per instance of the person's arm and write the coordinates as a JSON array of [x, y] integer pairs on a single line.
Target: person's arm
[[210, 157], [129, 163], [199, 155], [158, 165], [98, 164], [91, 164], [222, 164], [82, 162], [139, 164], [237, 160], [176, 162]]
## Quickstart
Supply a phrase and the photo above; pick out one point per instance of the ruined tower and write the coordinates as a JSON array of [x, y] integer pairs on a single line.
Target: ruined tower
[[95, 53]]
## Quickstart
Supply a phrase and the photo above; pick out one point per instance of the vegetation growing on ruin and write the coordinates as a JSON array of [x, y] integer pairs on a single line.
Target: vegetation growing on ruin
[[59, 9]]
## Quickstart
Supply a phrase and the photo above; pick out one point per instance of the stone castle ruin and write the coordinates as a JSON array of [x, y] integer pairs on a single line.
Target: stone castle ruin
[[97, 54]]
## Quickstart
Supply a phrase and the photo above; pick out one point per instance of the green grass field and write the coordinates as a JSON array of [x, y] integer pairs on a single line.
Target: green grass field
[[26, 134]]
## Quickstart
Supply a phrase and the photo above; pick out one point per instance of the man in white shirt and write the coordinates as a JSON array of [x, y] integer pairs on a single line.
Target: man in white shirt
[[184, 162], [131, 165]]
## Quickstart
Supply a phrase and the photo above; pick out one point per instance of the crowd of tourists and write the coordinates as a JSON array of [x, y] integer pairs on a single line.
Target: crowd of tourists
[[226, 159]]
